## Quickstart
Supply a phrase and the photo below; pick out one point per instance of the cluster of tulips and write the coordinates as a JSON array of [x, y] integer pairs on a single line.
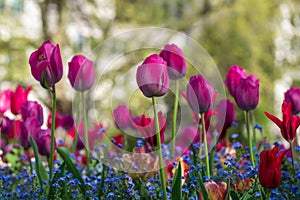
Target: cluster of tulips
[[210, 163]]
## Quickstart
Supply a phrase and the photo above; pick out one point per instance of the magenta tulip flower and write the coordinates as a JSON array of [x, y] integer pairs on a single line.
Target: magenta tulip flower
[[122, 117], [247, 93], [28, 128], [18, 97], [64, 121], [293, 96], [32, 109], [47, 62], [6, 125], [174, 57], [43, 141], [234, 74], [225, 116], [81, 73], [5, 97], [199, 94], [152, 76]]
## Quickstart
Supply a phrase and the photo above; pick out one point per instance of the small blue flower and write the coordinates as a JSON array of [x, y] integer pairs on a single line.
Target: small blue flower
[[258, 127]]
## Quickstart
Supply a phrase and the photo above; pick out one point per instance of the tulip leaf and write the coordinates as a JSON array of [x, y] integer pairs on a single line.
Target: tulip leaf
[[202, 188], [64, 153], [176, 184], [40, 169], [234, 195]]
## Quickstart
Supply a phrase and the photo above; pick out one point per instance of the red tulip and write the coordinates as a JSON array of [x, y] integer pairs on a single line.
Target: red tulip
[[81, 73], [18, 97], [234, 74], [152, 76], [289, 123], [174, 57], [147, 128], [293, 96], [269, 168], [5, 97], [46, 62], [199, 94], [32, 109]]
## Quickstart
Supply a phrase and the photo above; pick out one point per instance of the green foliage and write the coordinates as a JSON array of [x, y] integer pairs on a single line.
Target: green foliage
[[176, 184]]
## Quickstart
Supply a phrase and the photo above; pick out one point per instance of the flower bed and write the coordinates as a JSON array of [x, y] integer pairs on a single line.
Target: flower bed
[[200, 162]]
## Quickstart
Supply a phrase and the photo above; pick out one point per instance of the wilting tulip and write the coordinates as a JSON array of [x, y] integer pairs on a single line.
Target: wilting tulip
[[44, 142], [289, 123], [269, 168], [18, 97], [174, 57], [32, 109], [247, 93], [152, 76], [122, 117], [293, 96], [81, 73], [225, 116], [234, 74], [214, 190], [146, 126], [199, 94], [5, 97], [46, 64]]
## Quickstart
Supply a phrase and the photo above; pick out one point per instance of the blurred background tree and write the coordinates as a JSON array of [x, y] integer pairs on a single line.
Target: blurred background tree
[[261, 36]]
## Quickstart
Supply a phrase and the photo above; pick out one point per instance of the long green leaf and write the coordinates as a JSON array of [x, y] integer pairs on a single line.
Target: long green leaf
[[40, 169], [64, 153], [176, 184], [202, 188]]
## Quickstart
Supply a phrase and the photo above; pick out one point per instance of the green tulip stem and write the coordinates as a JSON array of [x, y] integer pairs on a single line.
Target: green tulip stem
[[293, 156], [52, 130], [200, 142], [29, 160], [75, 140], [268, 195], [86, 138], [175, 117], [246, 113], [161, 169], [205, 146]]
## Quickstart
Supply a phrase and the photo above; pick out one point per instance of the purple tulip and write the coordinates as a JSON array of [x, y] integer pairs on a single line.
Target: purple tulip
[[293, 96], [234, 74], [28, 128], [225, 116], [18, 97], [247, 93], [43, 142], [32, 109], [67, 122], [46, 61], [152, 76], [5, 101], [81, 73], [174, 57], [7, 126], [122, 117], [199, 94], [2, 144]]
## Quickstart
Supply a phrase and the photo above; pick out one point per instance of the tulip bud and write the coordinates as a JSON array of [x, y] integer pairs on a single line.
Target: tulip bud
[[199, 94], [173, 55], [152, 76], [18, 97], [122, 117], [28, 128], [81, 73], [269, 168], [46, 64], [32, 109], [293, 96], [234, 74], [247, 93], [44, 142], [5, 97]]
